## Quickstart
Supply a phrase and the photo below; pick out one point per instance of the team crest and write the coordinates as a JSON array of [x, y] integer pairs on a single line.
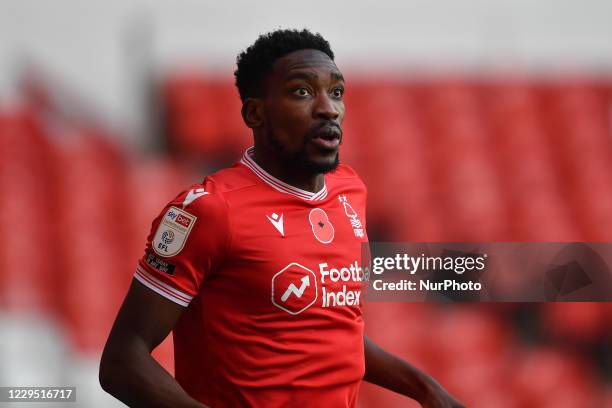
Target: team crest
[[322, 227], [352, 216], [172, 232]]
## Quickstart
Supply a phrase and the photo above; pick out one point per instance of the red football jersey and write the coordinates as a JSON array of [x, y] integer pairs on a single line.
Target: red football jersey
[[270, 276]]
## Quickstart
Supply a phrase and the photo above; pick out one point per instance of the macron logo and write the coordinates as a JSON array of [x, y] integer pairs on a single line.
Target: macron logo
[[277, 221], [193, 195]]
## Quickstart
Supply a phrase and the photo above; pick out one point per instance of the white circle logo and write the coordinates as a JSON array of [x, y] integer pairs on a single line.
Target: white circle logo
[[167, 237]]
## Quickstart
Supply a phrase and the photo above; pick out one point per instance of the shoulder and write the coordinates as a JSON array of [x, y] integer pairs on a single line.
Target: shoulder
[[208, 201], [231, 179], [211, 194], [199, 200], [347, 175]]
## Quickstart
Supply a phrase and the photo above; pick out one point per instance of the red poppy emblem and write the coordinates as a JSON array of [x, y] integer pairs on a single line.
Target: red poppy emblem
[[322, 228]]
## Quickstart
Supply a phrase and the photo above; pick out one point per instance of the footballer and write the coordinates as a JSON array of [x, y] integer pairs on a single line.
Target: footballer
[[257, 270]]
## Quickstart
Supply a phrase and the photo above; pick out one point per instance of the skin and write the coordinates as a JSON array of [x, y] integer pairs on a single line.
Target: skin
[[302, 103], [127, 369]]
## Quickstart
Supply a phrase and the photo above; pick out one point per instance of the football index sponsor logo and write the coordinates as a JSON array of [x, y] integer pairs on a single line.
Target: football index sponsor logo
[[349, 276], [294, 288], [172, 232]]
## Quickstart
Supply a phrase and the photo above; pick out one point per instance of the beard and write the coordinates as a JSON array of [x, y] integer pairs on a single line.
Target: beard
[[300, 160]]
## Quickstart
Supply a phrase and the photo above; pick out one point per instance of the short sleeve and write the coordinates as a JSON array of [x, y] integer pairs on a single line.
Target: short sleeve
[[187, 240]]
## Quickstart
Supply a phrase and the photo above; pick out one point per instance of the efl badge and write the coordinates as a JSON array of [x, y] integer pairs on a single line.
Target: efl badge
[[172, 232], [322, 227]]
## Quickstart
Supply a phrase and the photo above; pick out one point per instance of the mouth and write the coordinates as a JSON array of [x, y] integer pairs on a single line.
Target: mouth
[[328, 137]]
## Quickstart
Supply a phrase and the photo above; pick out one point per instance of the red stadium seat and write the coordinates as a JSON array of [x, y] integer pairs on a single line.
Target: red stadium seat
[[553, 378], [533, 188], [203, 117], [580, 322], [190, 115], [28, 255], [578, 115], [465, 176], [92, 218]]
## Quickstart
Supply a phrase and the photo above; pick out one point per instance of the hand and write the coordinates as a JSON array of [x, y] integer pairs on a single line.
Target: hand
[[438, 397]]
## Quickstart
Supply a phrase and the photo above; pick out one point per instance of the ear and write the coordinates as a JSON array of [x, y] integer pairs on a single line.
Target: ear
[[253, 112]]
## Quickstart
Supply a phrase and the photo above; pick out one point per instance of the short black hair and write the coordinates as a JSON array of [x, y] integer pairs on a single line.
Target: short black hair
[[255, 63]]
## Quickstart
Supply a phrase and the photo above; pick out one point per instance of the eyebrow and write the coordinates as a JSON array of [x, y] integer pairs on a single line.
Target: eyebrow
[[335, 75], [300, 75]]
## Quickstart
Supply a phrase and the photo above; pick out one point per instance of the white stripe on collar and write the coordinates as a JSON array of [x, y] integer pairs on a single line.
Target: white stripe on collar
[[279, 185]]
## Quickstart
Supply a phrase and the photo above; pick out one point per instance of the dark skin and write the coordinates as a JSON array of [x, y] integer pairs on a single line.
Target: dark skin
[[127, 369], [296, 128], [302, 106]]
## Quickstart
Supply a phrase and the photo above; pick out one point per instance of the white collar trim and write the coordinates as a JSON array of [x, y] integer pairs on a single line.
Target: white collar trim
[[279, 185]]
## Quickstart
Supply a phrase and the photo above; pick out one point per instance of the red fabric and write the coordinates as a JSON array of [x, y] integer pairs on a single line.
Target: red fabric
[[275, 319]]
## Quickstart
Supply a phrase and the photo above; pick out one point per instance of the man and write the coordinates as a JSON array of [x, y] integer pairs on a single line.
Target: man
[[257, 270]]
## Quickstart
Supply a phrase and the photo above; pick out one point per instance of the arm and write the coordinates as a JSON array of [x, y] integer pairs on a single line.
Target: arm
[[392, 373], [127, 369]]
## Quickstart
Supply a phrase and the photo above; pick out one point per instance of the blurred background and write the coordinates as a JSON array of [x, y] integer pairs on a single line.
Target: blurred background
[[473, 120]]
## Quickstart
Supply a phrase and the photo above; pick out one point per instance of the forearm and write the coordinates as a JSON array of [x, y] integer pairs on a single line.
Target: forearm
[[392, 373], [134, 377]]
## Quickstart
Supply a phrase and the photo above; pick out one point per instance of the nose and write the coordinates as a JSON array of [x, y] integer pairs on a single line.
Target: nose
[[326, 107]]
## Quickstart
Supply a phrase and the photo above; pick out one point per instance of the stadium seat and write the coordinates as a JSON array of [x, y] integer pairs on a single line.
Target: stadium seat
[[577, 322], [549, 377], [533, 189], [577, 113], [92, 218], [190, 116], [28, 262], [203, 117], [465, 176]]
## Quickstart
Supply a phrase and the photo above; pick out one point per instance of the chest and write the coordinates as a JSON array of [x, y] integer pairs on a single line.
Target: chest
[[297, 257]]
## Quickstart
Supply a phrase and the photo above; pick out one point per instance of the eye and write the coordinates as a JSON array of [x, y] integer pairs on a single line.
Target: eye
[[338, 93], [302, 91]]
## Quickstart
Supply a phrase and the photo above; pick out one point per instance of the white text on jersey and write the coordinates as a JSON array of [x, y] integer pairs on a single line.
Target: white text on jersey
[[344, 297]]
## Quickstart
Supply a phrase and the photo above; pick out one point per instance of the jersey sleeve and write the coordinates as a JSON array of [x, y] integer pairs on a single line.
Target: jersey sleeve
[[187, 241]]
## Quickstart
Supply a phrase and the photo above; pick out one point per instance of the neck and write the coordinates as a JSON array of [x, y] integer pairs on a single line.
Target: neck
[[288, 172]]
